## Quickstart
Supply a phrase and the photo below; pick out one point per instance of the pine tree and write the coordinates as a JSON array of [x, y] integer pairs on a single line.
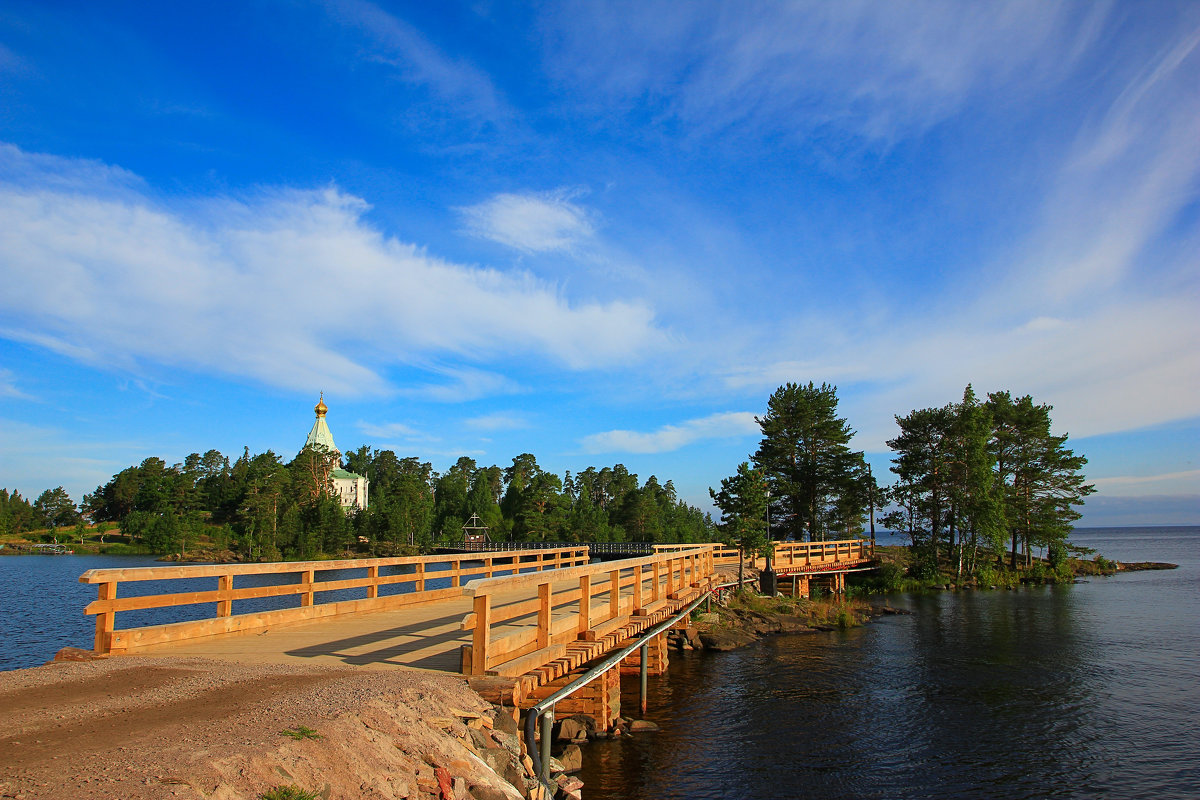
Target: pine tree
[[807, 460]]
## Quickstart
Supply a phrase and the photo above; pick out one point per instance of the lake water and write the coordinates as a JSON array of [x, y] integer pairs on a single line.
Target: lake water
[[1082, 691], [42, 600], [1078, 691]]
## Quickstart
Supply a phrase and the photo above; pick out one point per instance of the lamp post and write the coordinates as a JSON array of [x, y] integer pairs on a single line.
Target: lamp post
[[767, 582]]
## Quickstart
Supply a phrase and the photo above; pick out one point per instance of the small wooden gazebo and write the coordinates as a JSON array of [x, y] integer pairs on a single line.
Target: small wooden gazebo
[[475, 530]]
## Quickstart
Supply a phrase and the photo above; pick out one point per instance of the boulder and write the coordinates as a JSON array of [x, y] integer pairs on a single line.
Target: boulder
[[643, 726], [571, 758], [484, 791], [726, 639], [508, 741], [77, 654], [571, 730], [570, 787]]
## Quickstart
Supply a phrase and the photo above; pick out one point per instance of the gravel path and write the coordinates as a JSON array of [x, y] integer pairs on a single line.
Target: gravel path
[[136, 728]]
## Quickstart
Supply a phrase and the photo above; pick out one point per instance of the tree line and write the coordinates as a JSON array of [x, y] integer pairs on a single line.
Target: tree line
[[268, 509], [975, 481]]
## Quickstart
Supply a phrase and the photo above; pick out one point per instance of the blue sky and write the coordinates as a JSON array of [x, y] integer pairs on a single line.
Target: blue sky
[[596, 232]]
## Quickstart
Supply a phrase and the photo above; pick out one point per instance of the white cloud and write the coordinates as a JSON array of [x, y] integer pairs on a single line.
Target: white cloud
[[877, 69], [400, 45], [1093, 309], [1169, 483], [8, 386], [37, 458], [291, 288], [673, 437], [532, 222], [462, 385], [388, 430], [499, 421]]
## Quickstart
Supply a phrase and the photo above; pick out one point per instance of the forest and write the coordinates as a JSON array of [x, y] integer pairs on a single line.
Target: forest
[[974, 481], [263, 508]]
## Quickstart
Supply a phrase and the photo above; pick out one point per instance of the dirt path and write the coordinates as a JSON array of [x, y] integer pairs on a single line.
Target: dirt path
[[151, 728]]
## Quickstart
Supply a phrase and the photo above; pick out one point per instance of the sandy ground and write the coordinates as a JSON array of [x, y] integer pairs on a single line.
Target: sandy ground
[[187, 727]]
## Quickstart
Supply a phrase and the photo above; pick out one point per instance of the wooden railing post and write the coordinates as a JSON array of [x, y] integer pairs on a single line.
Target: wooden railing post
[[225, 587], [456, 573], [104, 620], [487, 563], [637, 589], [419, 586], [545, 607], [585, 605], [614, 594], [373, 576], [306, 579], [656, 592], [481, 634]]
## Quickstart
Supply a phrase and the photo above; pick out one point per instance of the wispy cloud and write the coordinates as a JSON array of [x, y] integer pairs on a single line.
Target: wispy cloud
[[673, 437], [462, 384], [534, 222], [51, 456], [389, 431], [455, 81], [8, 386], [273, 287], [1186, 481], [878, 70], [499, 421], [1090, 310]]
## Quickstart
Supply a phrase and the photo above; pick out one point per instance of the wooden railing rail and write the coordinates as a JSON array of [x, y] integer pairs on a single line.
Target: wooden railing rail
[[522, 622], [457, 568], [802, 553]]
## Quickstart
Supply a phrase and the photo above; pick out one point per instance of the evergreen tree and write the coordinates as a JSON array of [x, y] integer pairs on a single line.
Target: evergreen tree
[[743, 504], [807, 460], [1039, 476]]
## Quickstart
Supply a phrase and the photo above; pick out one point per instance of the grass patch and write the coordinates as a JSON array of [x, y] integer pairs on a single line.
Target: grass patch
[[300, 732], [288, 793]]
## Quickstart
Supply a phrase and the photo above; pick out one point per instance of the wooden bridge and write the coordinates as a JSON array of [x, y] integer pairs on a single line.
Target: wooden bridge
[[519, 624]]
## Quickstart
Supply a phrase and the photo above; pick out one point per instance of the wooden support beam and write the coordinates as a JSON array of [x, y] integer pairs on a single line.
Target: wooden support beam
[[483, 630], [545, 607], [104, 622], [225, 589]]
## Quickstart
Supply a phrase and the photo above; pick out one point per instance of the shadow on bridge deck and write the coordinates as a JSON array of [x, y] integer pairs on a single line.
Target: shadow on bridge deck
[[420, 637]]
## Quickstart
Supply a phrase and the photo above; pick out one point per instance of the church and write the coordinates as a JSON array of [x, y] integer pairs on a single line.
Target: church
[[349, 488]]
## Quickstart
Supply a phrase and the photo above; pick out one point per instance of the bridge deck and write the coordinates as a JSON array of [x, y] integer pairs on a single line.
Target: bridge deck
[[425, 636]]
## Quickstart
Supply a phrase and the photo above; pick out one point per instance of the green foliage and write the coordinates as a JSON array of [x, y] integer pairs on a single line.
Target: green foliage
[[986, 576], [289, 793], [301, 732], [818, 484], [890, 577], [1056, 553], [268, 510]]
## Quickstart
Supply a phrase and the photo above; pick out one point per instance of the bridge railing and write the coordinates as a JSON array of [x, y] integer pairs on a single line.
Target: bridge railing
[[794, 554], [308, 580], [801, 555], [602, 548], [522, 622], [722, 553]]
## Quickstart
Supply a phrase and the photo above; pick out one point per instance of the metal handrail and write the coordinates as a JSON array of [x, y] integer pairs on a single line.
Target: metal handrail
[[545, 709]]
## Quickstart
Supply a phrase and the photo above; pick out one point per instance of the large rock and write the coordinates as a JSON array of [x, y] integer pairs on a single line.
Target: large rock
[[576, 728], [571, 758], [726, 639], [503, 720], [508, 741], [570, 787]]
